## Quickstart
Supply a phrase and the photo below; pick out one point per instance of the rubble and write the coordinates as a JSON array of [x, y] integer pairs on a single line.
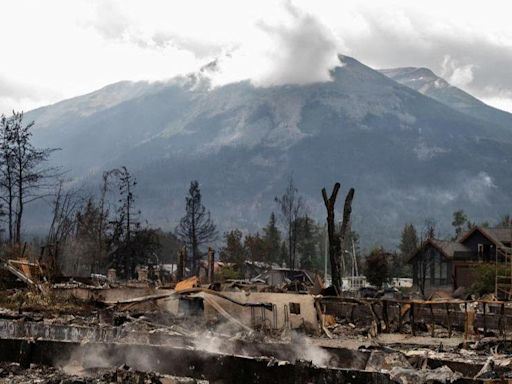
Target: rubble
[[385, 339], [14, 374], [421, 376]]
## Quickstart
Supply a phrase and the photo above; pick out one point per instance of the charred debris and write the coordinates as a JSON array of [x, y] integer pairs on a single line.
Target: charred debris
[[279, 325]]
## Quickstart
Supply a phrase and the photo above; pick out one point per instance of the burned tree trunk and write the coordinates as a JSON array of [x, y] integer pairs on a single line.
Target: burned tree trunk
[[345, 224], [211, 265], [182, 260], [335, 241]]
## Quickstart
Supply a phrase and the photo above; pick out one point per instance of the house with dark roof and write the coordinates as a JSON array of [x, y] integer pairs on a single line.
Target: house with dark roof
[[443, 264]]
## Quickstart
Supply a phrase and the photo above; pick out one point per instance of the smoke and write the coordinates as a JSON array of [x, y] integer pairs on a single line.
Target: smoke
[[306, 350], [79, 361]]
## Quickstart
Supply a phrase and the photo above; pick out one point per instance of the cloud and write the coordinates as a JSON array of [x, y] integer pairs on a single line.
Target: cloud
[[455, 73], [302, 52], [298, 49], [475, 59], [85, 44], [19, 95], [112, 22], [501, 100]]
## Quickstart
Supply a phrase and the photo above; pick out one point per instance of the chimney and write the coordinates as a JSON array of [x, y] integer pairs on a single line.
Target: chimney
[[142, 274], [111, 275]]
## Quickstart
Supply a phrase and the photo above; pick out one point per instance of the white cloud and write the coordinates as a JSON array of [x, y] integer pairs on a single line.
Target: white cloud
[[503, 102], [66, 48], [296, 50], [455, 73]]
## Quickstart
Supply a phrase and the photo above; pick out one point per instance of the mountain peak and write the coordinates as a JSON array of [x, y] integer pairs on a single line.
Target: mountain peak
[[425, 81], [419, 78]]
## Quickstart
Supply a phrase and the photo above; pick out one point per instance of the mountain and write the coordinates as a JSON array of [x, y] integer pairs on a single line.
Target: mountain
[[408, 156], [428, 83]]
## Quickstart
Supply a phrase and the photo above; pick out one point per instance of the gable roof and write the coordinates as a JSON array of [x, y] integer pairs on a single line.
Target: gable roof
[[496, 235], [446, 247], [503, 234]]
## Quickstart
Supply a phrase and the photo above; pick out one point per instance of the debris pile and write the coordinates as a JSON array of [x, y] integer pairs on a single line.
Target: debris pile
[[12, 373]]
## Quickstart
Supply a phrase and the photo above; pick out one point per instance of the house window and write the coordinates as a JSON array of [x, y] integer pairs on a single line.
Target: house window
[[480, 251], [437, 269], [444, 271], [295, 308]]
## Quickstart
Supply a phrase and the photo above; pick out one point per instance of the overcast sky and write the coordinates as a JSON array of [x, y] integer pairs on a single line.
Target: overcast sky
[[56, 49]]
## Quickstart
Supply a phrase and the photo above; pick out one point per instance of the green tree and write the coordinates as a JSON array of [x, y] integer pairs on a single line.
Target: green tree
[[233, 250], [255, 247], [272, 238], [409, 244], [196, 227], [307, 242], [486, 279], [170, 245], [377, 267], [459, 220]]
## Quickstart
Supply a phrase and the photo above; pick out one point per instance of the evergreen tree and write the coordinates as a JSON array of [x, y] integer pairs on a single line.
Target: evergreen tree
[[408, 242], [272, 238], [377, 268], [459, 219], [196, 227], [306, 242], [234, 252], [255, 247]]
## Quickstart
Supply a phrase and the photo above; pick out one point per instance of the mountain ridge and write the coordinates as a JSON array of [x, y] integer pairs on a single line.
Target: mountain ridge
[[409, 156], [428, 83]]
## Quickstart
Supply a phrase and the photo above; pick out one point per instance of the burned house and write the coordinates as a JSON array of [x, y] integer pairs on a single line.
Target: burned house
[[442, 264], [284, 277]]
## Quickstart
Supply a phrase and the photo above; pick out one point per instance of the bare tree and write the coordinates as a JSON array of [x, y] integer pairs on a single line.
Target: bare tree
[[7, 172], [336, 241], [23, 173], [102, 213], [125, 223], [64, 219], [127, 215], [196, 227], [345, 224], [291, 208]]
